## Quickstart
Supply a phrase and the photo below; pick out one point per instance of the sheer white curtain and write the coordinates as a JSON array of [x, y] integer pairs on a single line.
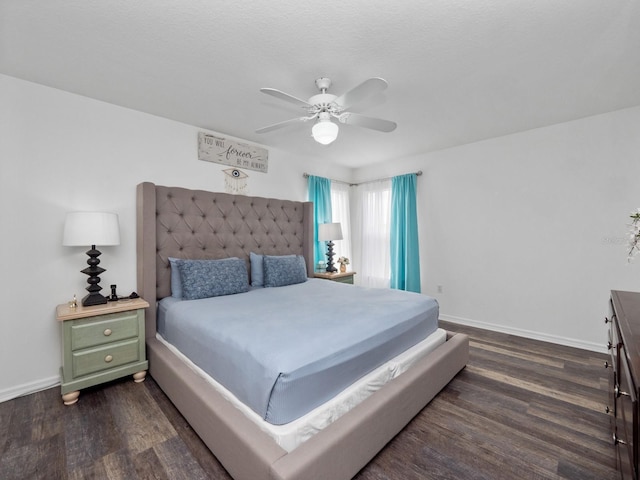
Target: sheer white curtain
[[371, 228], [340, 212]]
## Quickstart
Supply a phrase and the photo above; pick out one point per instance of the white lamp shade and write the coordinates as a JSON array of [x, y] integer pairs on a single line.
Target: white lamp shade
[[329, 231], [91, 228], [325, 132]]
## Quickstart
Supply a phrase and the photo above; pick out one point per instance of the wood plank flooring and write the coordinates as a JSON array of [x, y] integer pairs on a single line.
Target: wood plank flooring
[[521, 409]]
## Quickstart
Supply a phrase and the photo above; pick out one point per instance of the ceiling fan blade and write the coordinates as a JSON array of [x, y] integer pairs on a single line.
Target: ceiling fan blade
[[368, 122], [357, 94], [275, 126], [286, 97]]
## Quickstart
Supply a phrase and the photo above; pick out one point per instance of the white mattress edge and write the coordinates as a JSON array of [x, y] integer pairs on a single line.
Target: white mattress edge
[[292, 434]]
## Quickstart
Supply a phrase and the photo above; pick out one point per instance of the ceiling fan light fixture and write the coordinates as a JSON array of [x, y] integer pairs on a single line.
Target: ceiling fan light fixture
[[324, 131]]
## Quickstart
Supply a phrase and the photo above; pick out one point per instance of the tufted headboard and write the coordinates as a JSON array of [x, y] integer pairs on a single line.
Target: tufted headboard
[[196, 224]]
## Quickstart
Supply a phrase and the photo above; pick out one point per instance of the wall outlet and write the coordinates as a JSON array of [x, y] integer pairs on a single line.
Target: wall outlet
[[440, 289]]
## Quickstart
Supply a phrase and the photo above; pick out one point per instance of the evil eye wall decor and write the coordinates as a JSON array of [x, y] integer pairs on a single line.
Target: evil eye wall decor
[[235, 181]]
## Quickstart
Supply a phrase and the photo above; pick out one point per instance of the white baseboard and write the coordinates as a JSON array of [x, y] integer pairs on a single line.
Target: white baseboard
[[27, 388], [569, 342]]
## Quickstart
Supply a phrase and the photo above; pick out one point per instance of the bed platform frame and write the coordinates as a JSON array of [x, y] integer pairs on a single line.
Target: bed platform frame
[[186, 223]]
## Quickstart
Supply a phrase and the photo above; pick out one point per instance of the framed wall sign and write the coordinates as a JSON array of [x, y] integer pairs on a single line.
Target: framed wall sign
[[212, 148]]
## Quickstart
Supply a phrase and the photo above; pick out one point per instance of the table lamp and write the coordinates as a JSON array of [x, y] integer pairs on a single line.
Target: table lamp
[[327, 232], [92, 228]]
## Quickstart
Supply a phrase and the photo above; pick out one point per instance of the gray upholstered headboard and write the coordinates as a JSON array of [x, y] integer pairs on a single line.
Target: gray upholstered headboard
[[195, 224]]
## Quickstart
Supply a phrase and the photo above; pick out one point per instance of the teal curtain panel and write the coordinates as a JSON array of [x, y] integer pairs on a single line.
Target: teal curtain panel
[[405, 248], [320, 195]]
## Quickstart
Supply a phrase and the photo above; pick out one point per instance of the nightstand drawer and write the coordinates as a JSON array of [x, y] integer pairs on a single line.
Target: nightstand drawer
[[348, 280], [340, 277], [110, 328], [106, 357]]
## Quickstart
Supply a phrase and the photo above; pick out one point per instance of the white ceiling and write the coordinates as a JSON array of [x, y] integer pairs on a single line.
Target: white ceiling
[[458, 70]]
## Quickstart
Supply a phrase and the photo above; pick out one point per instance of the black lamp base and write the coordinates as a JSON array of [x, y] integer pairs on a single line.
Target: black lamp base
[[94, 299], [93, 270], [330, 267]]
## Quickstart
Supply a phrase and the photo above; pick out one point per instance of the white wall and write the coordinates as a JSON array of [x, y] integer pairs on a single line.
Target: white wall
[[527, 233], [61, 152]]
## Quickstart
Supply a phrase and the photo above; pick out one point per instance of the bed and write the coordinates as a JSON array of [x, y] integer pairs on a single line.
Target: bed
[[193, 224]]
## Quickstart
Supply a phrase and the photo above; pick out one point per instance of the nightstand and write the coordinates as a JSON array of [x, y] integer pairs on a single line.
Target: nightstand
[[346, 277], [101, 343]]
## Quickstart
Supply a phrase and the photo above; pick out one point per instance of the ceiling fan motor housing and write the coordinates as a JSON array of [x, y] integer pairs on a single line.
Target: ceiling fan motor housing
[[323, 102]]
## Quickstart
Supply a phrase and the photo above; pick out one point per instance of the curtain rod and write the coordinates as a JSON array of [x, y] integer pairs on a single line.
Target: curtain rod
[[306, 175]]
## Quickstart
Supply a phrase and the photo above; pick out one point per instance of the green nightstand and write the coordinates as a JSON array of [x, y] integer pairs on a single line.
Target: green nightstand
[[346, 277], [101, 343]]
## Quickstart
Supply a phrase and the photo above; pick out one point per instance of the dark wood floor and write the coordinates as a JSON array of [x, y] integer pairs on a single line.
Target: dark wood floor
[[521, 409]]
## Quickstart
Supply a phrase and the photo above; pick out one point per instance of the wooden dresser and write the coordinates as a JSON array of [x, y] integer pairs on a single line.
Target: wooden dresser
[[624, 379]]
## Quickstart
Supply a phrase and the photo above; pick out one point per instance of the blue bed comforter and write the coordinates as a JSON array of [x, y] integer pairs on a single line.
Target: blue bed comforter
[[284, 351]]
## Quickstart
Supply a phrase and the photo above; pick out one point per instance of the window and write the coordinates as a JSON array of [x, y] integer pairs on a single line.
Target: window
[[372, 232], [341, 214]]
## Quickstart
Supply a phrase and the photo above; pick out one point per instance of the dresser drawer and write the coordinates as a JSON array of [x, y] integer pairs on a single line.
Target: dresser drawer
[[104, 329], [614, 345], [106, 357], [628, 407]]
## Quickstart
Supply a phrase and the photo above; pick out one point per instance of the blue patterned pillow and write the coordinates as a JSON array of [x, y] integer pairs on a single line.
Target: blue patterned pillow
[[286, 270], [257, 268], [212, 278]]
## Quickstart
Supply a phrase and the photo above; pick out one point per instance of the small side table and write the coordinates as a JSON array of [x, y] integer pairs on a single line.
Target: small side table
[[101, 343], [346, 277]]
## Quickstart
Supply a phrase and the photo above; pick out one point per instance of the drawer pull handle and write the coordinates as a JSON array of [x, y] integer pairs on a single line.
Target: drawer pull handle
[[607, 409], [609, 345], [619, 392], [617, 440], [108, 358], [606, 320], [107, 332], [607, 364]]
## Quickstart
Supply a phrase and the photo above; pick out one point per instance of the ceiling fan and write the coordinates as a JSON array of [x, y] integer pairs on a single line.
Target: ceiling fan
[[324, 106]]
